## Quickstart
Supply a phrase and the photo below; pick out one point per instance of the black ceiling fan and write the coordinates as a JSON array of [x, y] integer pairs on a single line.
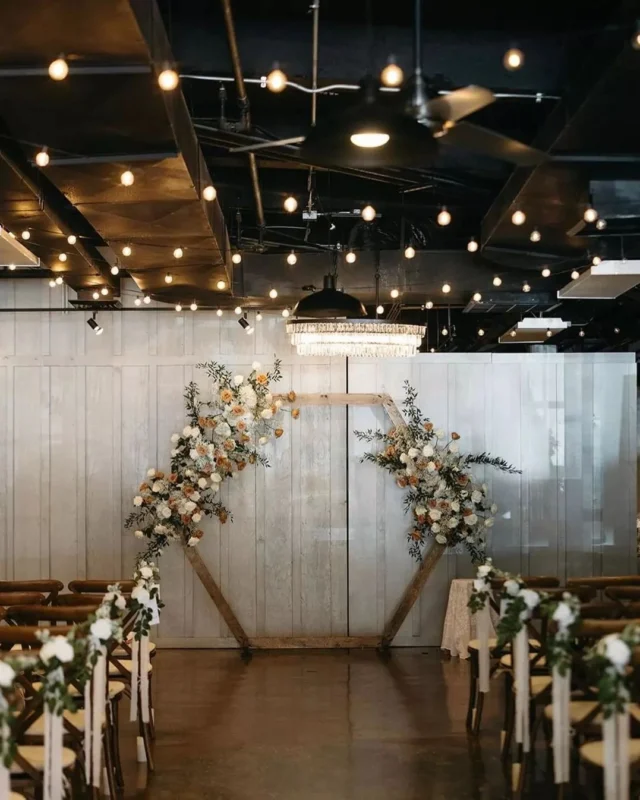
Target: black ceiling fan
[[376, 132]]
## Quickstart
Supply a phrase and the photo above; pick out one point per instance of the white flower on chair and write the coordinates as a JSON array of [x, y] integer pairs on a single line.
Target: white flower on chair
[[101, 629], [140, 595], [616, 651], [57, 647], [7, 675]]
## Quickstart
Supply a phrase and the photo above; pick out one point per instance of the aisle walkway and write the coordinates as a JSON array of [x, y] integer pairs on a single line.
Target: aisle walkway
[[322, 725]]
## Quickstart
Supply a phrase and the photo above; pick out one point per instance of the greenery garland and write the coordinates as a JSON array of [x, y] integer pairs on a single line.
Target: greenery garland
[[609, 668], [444, 501]]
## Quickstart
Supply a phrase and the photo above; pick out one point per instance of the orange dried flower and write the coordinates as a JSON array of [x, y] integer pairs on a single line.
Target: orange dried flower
[[402, 482], [173, 477], [198, 533], [202, 422], [415, 535], [291, 396], [223, 516], [144, 487], [428, 426], [188, 490], [262, 379], [390, 451], [467, 512], [201, 449], [241, 425], [241, 465], [413, 481], [295, 413], [278, 432], [226, 395], [455, 435], [159, 475]]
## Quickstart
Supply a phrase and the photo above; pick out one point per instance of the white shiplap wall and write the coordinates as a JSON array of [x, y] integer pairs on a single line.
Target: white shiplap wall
[[82, 417]]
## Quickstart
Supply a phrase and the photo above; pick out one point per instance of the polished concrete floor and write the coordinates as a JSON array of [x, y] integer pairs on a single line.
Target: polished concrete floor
[[315, 725]]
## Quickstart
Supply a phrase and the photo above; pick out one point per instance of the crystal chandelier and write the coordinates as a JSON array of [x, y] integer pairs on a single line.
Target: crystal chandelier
[[339, 327]]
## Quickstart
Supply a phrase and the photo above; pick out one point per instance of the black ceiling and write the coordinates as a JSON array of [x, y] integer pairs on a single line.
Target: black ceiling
[[574, 98]]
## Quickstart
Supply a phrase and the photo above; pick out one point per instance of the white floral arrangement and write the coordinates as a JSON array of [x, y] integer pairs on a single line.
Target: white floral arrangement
[[224, 435], [442, 496], [609, 665], [145, 597]]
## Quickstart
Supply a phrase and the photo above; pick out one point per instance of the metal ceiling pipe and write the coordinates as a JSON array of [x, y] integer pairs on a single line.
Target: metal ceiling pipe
[[244, 104]]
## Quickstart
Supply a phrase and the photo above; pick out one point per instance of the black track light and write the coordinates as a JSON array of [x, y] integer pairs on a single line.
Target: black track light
[[95, 327]]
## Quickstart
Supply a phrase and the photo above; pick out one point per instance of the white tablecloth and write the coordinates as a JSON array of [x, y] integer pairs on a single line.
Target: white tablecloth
[[459, 623]]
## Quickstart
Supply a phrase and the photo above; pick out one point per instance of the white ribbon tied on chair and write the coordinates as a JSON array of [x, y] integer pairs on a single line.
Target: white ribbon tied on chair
[[5, 736], [99, 699], [144, 678], [483, 627], [135, 678], [561, 693], [5, 783], [52, 756], [615, 732], [520, 658], [87, 731]]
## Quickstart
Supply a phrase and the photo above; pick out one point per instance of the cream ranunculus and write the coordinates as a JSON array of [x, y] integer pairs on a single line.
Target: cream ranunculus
[[431, 466], [195, 496], [140, 595], [146, 572], [471, 519], [488, 523], [263, 440], [193, 541], [440, 433], [175, 438], [441, 538], [455, 506], [435, 527], [238, 380], [202, 483], [166, 512], [223, 430], [193, 453], [420, 511], [139, 534], [186, 431], [195, 432], [256, 366], [404, 458], [137, 500], [428, 451], [216, 477], [435, 514], [7, 675], [174, 453], [196, 517], [453, 447], [494, 508], [266, 413], [413, 452], [101, 629], [190, 506], [453, 523], [151, 473], [476, 496], [158, 486]]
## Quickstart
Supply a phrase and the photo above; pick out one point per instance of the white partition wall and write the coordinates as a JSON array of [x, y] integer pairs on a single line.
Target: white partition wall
[[317, 544]]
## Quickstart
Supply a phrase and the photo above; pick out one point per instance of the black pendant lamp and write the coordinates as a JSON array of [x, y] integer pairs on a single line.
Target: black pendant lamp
[[329, 303]]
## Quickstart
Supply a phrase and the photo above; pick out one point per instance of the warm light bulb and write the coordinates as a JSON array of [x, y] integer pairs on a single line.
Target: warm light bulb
[[350, 257], [445, 331], [290, 204], [575, 275], [236, 258], [194, 306], [273, 293], [429, 305], [178, 307], [513, 59], [369, 139], [380, 310], [432, 350], [209, 193], [58, 69], [535, 235], [596, 260], [127, 178], [26, 235], [518, 217], [616, 330], [292, 258], [546, 272], [62, 257], [513, 333], [590, 215], [221, 285], [52, 284], [42, 158], [601, 224], [95, 295], [444, 217], [394, 293], [126, 250], [168, 80], [276, 80], [146, 299], [285, 312], [104, 291], [497, 281], [526, 287], [368, 213], [12, 267], [168, 278], [259, 316], [446, 288], [635, 40], [237, 310], [72, 239], [549, 334], [219, 312], [472, 245], [178, 252], [480, 331], [392, 74], [477, 297], [115, 269], [581, 334], [59, 280], [409, 252], [138, 301]]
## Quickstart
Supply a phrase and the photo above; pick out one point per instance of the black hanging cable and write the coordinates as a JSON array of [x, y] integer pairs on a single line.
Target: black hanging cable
[[377, 278]]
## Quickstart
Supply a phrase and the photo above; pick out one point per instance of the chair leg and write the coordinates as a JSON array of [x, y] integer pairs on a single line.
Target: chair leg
[[509, 716], [478, 712], [145, 732], [473, 689], [115, 716], [109, 767], [152, 716]]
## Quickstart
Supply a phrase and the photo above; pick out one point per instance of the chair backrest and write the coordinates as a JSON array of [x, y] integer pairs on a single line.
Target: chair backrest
[[21, 598], [48, 587], [79, 599], [96, 586], [623, 592], [10, 635], [583, 593], [600, 611], [32, 615], [596, 628], [603, 582], [531, 582]]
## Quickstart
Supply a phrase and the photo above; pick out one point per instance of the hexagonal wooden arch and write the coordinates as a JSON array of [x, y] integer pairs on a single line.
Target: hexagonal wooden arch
[[409, 597]]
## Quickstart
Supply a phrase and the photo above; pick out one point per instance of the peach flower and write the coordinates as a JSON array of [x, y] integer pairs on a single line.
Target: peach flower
[[226, 395], [295, 413], [291, 396], [278, 432], [262, 379]]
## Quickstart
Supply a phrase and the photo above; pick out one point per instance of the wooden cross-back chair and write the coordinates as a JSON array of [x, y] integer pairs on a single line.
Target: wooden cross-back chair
[[95, 586], [47, 586], [23, 598]]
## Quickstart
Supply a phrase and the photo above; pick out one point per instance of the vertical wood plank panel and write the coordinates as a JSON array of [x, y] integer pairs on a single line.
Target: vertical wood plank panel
[[5, 485]]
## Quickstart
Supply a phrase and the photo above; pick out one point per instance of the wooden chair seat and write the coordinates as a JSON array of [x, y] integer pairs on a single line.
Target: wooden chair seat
[[538, 684], [116, 688], [121, 653], [593, 752], [474, 644], [16, 796], [76, 718], [579, 710], [35, 755], [540, 661], [127, 664]]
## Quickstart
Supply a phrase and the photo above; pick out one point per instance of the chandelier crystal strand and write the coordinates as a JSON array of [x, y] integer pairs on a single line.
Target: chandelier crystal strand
[[355, 338]]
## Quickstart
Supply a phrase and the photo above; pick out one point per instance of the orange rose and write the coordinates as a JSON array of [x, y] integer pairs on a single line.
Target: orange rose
[[241, 465], [402, 482], [291, 396], [241, 425], [229, 444], [226, 395], [262, 379], [202, 422], [159, 475], [455, 435], [223, 516], [237, 411], [428, 426], [295, 413], [144, 487], [278, 432], [188, 490], [413, 481], [220, 460], [201, 449], [173, 477]]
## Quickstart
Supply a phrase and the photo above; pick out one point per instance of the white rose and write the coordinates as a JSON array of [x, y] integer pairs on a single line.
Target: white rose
[[431, 466], [420, 511], [7, 675], [278, 404], [471, 519], [195, 496], [121, 603], [137, 500], [186, 431], [455, 506], [441, 539], [413, 452], [146, 572], [494, 508], [476, 496], [101, 629], [158, 486], [440, 433], [193, 453], [266, 413], [151, 473], [238, 379], [215, 487], [435, 527], [189, 472], [193, 541], [166, 512], [268, 398], [453, 447], [404, 458], [488, 523], [531, 598], [140, 595], [484, 570], [564, 615], [479, 585], [175, 438], [263, 440], [57, 647], [195, 432], [616, 651], [139, 534], [453, 523], [202, 483], [174, 453], [190, 506], [427, 451], [223, 430], [434, 514], [216, 477], [511, 587], [196, 517], [256, 366]]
